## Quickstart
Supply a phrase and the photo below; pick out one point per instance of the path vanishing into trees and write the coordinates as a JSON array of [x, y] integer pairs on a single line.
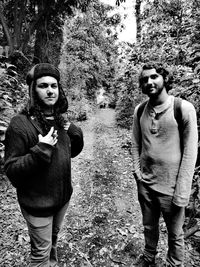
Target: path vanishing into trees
[[103, 226]]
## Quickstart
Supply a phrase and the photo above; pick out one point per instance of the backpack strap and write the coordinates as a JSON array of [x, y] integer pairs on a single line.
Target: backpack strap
[[178, 117], [178, 112], [139, 114], [35, 124], [140, 110]]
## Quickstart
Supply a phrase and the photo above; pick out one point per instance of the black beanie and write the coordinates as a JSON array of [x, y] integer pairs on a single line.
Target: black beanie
[[40, 70]]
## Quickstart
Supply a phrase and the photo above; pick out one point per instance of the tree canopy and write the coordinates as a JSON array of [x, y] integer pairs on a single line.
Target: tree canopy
[[25, 22]]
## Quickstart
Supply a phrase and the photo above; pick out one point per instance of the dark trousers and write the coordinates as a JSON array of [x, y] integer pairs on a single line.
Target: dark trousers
[[152, 205]]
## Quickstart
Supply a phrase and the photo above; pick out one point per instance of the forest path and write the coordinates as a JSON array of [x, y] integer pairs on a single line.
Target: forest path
[[99, 223]]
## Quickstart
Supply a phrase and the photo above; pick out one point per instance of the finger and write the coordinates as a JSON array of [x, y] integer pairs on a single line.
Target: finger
[[54, 134], [55, 141], [39, 137], [51, 131]]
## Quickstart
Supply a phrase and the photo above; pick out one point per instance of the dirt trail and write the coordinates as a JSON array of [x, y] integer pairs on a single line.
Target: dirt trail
[[104, 202]]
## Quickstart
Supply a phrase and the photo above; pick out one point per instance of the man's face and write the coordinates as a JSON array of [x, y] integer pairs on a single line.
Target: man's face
[[152, 83], [47, 90]]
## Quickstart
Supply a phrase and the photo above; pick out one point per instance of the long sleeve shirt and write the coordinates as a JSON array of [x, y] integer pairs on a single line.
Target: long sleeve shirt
[[40, 172], [160, 159]]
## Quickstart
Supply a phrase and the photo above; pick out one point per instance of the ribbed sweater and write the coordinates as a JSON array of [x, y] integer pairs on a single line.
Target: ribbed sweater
[[40, 172], [163, 164]]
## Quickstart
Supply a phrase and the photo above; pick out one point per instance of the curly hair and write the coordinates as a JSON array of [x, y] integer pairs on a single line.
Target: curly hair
[[160, 69]]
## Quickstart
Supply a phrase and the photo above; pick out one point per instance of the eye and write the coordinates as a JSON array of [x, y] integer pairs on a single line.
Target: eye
[[46, 85], [154, 76], [144, 80], [43, 85], [54, 86]]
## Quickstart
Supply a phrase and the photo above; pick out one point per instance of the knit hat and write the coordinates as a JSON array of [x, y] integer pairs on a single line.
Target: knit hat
[[40, 70]]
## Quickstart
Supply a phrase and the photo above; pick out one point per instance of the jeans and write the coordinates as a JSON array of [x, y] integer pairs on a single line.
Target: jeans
[[43, 232], [152, 205]]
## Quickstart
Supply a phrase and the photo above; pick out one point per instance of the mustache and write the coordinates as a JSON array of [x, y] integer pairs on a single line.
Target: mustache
[[149, 86]]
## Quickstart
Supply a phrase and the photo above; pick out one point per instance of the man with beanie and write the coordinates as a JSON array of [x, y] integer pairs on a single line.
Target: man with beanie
[[164, 149], [39, 146]]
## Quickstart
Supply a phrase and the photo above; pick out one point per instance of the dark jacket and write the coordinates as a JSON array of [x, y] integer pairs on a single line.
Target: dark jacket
[[40, 172]]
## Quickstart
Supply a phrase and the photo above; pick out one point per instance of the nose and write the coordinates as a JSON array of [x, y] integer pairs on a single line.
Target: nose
[[150, 81], [49, 90]]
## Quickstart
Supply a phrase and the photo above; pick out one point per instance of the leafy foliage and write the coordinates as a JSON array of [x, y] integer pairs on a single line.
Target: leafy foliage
[[119, 1], [13, 93], [88, 53]]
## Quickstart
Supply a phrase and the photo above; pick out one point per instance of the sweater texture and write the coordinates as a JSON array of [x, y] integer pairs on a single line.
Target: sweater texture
[[40, 172], [165, 163]]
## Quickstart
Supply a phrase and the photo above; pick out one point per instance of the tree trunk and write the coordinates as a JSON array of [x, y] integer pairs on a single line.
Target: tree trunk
[[6, 29], [41, 40], [30, 30], [19, 17], [138, 20]]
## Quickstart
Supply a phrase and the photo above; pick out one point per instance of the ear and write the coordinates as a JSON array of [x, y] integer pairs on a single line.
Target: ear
[[166, 79]]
